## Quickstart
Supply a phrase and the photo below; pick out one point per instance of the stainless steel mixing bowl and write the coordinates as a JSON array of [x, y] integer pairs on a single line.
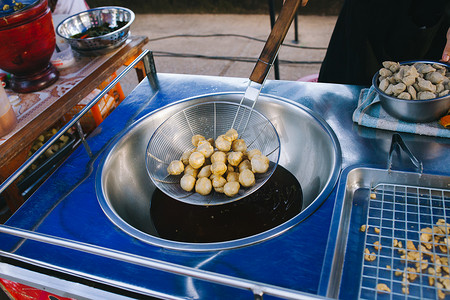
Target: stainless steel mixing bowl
[[416, 111], [82, 21]]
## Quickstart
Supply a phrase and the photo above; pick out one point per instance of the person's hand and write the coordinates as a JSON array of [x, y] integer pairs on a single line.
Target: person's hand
[[446, 53]]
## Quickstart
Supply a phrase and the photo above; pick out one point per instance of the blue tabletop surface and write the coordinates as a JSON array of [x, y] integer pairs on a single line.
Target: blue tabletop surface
[[66, 205]]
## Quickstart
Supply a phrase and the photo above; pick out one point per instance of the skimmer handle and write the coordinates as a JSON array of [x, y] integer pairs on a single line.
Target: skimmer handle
[[274, 41]]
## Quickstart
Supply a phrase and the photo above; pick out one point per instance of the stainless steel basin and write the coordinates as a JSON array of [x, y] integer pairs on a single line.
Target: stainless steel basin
[[309, 150], [392, 206]]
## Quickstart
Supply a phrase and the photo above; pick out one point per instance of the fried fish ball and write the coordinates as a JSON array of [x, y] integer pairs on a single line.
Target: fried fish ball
[[205, 148], [230, 168], [252, 153], [223, 143], [205, 171], [235, 158], [218, 168], [196, 160], [239, 145], [233, 177], [185, 157], [203, 186], [260, 163], [232, 133], [211, 141], [219, 189], [189, 170], [187, 182], [231, 188], [244, 165], [219, 156], [175, 167], [197, 138], [218, 181], [247, 178]]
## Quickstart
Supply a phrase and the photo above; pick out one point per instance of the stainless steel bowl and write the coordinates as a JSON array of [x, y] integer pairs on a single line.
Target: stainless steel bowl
[[417, 111], [96, 17]]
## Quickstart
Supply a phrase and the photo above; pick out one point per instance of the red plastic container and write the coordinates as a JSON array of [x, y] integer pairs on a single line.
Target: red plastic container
[[28, 42]]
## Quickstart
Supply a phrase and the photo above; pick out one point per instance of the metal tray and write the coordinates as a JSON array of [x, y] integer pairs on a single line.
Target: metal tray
[[394, 205]]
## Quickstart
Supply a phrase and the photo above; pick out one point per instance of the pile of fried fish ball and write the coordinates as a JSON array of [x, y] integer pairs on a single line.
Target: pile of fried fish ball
[[223, 165], [418, 81]]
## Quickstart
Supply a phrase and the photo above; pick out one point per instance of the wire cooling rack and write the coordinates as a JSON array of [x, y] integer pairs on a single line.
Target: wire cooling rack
[[406, 244]]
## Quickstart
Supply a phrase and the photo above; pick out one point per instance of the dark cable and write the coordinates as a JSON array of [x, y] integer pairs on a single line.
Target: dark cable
[[233, 35], [232, 58]]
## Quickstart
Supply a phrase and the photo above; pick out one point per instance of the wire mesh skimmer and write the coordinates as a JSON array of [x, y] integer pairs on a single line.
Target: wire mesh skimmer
[[209, 119]]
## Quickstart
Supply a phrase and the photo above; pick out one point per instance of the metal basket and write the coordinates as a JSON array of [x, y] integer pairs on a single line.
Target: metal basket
[[210, 119], [96, 17]]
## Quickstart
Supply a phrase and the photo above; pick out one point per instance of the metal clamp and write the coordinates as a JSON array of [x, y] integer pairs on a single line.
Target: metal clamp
[[398, 143]]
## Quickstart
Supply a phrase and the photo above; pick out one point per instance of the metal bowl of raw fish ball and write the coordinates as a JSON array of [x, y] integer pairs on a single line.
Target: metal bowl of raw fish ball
[[414, 91]]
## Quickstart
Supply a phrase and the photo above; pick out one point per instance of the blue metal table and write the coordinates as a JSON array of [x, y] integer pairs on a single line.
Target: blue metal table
[[66, 209]]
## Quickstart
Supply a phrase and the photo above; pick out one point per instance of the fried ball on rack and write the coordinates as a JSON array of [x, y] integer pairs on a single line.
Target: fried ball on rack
[[247, 178], [231, 188], [260, 163], [223, 143], [196, 160], [203, 186], [197, 138], [175, 167], [187, 182]]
